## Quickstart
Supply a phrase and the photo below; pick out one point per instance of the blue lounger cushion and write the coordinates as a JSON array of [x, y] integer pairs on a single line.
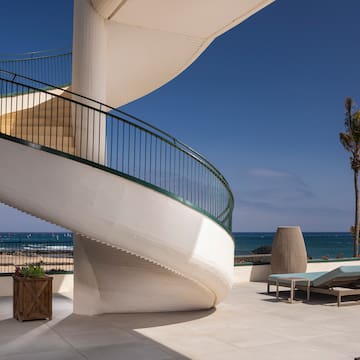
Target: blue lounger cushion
[[284, 278], [346, 274], [340, 276]]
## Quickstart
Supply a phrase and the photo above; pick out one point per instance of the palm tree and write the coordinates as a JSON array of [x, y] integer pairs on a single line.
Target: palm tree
[[350, 139]]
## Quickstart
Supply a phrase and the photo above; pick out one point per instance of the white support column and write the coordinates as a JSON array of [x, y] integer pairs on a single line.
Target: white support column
[[86, 288], [89, 79]]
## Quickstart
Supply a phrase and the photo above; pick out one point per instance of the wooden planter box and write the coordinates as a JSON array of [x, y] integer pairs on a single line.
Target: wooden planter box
[[32, 298]]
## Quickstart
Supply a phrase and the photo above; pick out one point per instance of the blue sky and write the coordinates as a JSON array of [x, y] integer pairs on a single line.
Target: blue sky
[[264, 103]]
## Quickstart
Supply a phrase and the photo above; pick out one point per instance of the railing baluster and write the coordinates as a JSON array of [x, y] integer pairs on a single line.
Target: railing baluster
[[98, 144], [134, 153], [128, 151], [123, 147], [145, 156], [140, 150], [87, 134], [93, 136], [111, 140], [117, 146], [122, 142]]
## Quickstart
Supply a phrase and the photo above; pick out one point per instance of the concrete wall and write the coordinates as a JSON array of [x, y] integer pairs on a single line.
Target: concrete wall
[[246, 273]]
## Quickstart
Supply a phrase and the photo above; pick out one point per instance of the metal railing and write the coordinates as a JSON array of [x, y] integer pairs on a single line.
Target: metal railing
[[53, 256], [118, 142], [50, 66]]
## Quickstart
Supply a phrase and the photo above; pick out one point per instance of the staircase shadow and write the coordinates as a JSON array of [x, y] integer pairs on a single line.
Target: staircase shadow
[[315, 298], [107, 336], [132, 335]]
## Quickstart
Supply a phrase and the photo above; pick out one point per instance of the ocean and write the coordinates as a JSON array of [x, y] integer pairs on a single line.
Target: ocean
[[318, 244], [49, 242]]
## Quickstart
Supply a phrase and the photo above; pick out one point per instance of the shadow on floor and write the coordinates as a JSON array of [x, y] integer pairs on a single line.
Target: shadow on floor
[[108, 336], [315, 298]]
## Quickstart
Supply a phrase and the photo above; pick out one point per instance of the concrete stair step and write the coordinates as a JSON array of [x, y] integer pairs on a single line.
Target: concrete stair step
[[42, 130], [33, 121]]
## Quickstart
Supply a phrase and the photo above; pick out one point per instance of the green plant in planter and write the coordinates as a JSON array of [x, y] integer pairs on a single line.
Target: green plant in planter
[[32, 298], [30, 271]]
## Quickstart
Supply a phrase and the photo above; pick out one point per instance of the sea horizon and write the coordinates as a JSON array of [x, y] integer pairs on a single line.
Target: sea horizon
[[319, 244]]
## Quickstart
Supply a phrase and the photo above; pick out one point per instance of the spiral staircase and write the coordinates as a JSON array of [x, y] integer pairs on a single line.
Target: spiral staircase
[[152, 217]]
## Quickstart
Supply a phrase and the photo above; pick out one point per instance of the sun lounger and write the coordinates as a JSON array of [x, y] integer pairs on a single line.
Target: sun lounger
[[340, 282]]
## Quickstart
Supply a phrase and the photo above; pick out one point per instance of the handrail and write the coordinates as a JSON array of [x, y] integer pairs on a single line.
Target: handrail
[[51, 66], [103, 107], [34, 55], [114, 140]]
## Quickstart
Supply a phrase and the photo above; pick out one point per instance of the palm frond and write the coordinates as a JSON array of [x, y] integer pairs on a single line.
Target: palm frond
[[347, 141], [355, 127], [348, 111]]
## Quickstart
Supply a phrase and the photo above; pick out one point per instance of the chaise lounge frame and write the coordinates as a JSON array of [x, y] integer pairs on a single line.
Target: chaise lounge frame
[[339, 286]]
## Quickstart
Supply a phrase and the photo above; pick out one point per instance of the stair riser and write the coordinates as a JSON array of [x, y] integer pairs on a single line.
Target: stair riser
[[36, 131], [22, 121]]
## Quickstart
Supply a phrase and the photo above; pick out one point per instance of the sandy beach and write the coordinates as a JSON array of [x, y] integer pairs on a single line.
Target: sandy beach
[[59, 262]]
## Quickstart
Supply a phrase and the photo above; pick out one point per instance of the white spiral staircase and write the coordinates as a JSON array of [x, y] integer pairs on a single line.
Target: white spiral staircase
[[152, 217]]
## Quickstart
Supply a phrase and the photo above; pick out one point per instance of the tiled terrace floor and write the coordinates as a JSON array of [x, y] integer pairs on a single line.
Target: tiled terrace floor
[[249, 325]]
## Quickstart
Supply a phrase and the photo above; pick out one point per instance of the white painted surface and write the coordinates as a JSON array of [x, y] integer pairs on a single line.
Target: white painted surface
[[120, 213], [329, 265], [260, 273], [89, 77], [146, 43], [110, 280], [89, 72], [242, 274], [248, 273], [177, 258]]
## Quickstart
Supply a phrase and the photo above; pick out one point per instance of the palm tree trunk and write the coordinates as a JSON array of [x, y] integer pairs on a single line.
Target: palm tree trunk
[[356, 238]]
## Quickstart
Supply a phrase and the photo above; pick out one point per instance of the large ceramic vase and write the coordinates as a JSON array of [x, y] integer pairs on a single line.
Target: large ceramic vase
[[288, 251]]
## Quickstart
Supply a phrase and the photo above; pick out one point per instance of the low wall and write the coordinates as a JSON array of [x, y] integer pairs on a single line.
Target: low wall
[[62, 283], [260, 273]]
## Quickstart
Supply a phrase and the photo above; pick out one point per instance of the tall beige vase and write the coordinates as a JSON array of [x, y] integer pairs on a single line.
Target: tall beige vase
[[288, 251]]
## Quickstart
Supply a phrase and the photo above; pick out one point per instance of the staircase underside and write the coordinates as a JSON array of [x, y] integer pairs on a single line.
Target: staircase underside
[[139, 245], [138, 286], [162, 254], [134, 47]]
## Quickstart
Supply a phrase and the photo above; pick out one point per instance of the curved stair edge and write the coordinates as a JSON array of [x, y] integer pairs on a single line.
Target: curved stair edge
[[214, 280]]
